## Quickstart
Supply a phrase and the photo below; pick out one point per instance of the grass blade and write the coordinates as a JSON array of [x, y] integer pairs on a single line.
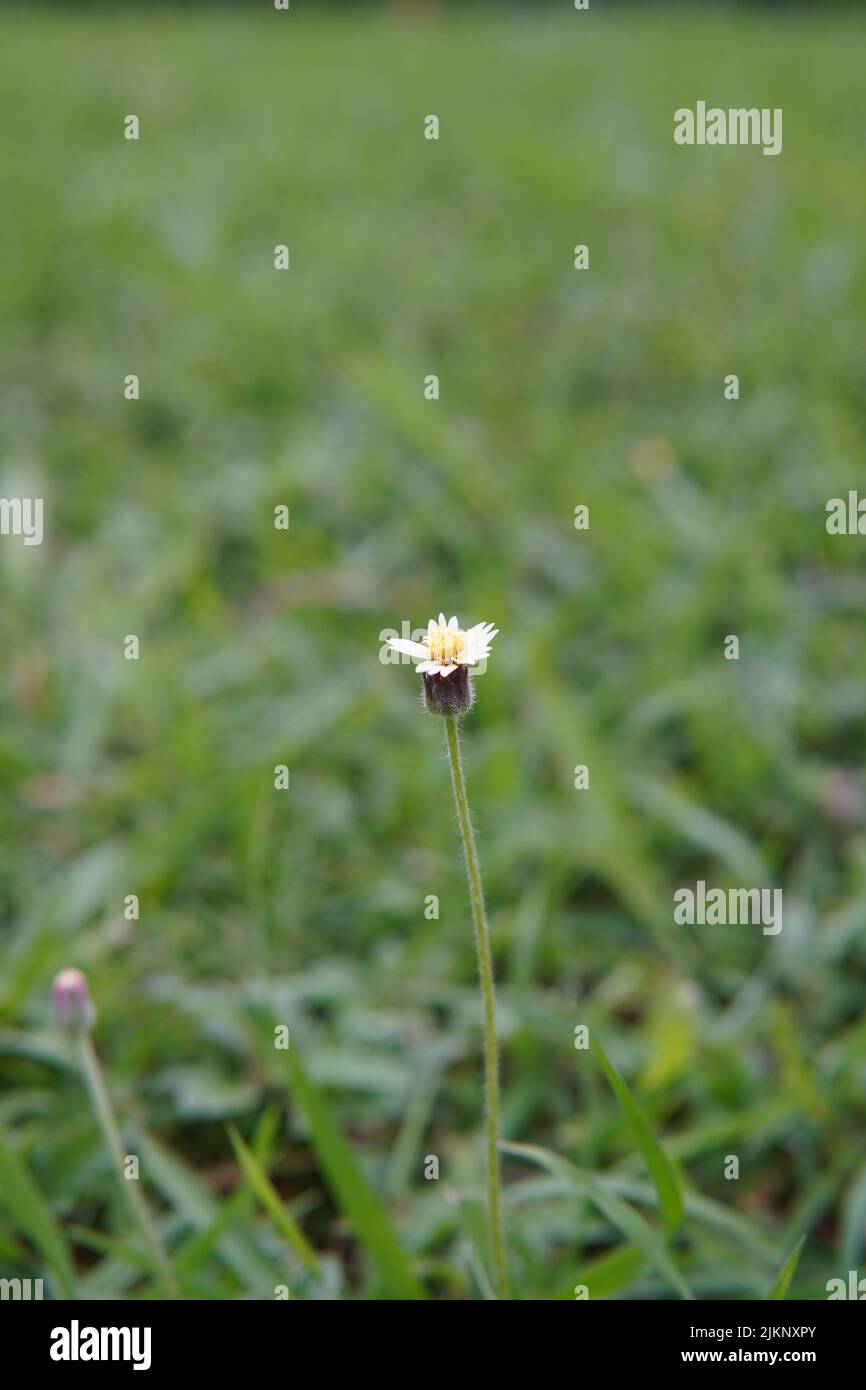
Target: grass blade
[[662, 1171], [32, 1214], [619, 1213], [270, 1200], [786, 1273], [190, 1197], [350, 1188], [607, 1273]]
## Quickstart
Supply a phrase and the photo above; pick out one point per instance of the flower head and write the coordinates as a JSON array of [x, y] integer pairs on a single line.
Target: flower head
[[445, 646], [443, 659], [73, 1007]]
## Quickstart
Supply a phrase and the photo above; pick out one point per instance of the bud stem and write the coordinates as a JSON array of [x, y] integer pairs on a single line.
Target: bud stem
[[136, 1204], [485, 972]]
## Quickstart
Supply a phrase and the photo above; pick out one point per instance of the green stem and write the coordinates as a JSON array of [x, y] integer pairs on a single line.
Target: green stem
[[485, 972], [128, 1186]]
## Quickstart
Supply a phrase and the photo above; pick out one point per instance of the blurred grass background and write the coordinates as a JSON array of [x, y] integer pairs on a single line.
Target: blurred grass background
[[260, 647]]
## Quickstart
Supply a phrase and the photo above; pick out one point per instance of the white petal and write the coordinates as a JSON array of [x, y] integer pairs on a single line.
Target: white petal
[[446, 670], [442, 622], [481, 636], [477, 644], [453, 625], [427, 668], [402, 644]]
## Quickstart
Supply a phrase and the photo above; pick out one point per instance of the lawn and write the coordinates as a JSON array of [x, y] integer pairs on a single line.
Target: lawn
[[308, 908]]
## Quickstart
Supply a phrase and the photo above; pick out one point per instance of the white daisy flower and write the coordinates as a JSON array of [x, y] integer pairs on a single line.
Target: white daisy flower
[[446, 646]]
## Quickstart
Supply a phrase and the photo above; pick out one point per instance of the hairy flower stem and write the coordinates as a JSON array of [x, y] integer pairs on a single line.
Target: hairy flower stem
[[485, 972], [129, 1186]]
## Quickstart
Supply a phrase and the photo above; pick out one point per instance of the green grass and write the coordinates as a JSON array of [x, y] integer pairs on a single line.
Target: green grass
[[259, 647]]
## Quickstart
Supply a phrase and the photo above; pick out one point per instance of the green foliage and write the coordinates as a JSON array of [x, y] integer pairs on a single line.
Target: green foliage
[[350, 1188], [786, 1273], [34, 1219], [269, 1198], [662, 1171], [259, 647]]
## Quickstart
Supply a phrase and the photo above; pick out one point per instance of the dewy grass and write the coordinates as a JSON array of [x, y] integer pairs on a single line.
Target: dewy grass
[[444, 658]]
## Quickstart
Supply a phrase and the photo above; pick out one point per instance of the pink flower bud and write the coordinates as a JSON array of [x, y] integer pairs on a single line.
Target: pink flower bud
[[73, 1007]]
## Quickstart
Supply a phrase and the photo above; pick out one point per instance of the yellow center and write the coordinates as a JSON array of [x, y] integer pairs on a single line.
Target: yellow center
[[445, 645]]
